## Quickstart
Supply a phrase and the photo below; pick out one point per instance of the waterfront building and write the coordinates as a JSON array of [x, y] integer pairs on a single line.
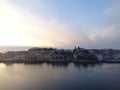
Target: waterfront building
[[100, 57]]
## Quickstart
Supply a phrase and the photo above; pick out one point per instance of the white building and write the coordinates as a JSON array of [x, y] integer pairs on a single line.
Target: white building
[[100, 57]]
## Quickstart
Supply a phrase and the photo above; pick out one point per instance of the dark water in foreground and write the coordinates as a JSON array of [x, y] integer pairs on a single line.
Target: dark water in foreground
[[59, 76]]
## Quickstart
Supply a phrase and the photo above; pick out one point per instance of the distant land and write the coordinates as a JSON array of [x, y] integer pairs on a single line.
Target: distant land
[[25, 48], [4, 49], [13, 48]]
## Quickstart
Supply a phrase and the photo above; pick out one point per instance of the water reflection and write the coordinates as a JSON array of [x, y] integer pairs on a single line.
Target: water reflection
[[57, 64], [59, 76], [87, 65], [2, 65], [9, 64], [34, 63]]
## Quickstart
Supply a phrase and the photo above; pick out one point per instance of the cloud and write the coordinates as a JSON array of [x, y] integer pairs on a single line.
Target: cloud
[[105, 36], [113, 10], [21, 26]]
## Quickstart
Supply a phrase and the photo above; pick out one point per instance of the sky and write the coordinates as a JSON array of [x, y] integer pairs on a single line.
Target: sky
[[60, 23]]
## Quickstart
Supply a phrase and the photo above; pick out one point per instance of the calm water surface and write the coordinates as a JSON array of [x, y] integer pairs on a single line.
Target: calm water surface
[[55, 76]]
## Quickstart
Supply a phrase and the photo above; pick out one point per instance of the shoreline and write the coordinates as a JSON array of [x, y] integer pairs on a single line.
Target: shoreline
[[59, 62]]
